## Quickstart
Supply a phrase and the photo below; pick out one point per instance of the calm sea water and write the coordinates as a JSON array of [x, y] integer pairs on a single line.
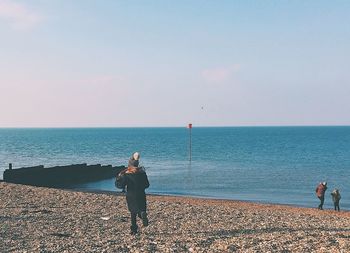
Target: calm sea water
[[268, 164]]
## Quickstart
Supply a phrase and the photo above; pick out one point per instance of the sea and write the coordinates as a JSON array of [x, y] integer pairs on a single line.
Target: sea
[[261, 164]]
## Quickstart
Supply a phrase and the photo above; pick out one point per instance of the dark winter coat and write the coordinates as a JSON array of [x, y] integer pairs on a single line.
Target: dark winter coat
[[135, 180], [335, 196]]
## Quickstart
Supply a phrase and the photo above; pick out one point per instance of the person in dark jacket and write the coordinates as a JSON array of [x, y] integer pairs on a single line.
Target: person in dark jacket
[[336, 198], [320, 191], [135, 180]]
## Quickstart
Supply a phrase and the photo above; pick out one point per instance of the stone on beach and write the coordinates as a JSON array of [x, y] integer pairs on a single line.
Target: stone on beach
[[37, 219]]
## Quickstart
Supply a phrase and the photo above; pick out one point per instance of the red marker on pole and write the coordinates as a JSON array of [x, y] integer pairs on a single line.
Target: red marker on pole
[[190, 151]]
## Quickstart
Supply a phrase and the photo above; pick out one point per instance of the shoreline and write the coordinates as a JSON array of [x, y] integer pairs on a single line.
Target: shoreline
[[38, 219], [199, 197]]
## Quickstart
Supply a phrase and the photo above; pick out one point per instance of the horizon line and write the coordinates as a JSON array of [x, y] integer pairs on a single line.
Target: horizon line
[[184, 126]]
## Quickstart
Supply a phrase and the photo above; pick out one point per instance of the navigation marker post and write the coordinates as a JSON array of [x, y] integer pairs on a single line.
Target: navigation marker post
[[190, 150]]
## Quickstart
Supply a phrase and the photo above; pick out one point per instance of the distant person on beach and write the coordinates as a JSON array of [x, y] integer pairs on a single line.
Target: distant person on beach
[[336, 198], [320, 191], [134, 178]]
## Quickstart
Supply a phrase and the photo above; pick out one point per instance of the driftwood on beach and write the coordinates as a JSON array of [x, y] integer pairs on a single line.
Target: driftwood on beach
[[60, 176]]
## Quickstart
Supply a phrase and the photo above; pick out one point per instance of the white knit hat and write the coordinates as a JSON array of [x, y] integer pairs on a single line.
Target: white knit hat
[[136, 156]]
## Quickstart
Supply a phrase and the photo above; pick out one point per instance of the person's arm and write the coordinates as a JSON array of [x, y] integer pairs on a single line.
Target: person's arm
[[122, 172], [120, 181], [146, 181]]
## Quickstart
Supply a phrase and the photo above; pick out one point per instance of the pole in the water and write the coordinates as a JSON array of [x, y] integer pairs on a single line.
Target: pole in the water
[[190, 151]]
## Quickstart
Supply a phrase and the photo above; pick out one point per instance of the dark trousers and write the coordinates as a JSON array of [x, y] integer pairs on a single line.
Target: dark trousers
[[320, 206], [142, 215], [133, 222], [336, 205]]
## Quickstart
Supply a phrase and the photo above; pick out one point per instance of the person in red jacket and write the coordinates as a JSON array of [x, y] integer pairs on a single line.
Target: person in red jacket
[[320, 191]]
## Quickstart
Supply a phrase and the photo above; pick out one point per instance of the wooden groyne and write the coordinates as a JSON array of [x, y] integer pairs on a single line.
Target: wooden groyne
[[60, 176]]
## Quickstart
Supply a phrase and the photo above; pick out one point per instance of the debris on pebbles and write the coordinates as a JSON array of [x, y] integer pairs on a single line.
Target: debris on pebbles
[[37, 219]]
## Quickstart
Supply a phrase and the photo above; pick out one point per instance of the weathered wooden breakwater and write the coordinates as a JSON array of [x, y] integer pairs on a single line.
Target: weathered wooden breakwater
[[60, 176]]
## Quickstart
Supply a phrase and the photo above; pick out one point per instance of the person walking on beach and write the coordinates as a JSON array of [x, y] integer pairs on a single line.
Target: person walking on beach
[[320, 191], [336, 198], [134, 178]]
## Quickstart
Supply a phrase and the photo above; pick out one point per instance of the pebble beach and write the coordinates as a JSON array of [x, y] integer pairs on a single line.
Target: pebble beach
[[35, 219]]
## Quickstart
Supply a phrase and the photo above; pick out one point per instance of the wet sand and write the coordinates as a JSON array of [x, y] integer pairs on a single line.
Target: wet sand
[[35, 219]]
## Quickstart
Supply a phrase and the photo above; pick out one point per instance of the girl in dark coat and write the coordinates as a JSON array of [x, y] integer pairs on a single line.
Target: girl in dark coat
[[135, 180], [336, 198]]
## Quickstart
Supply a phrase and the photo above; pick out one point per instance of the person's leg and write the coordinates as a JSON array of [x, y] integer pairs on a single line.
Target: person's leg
[[144, 218], [133, 223], [321, 204], [337, 205]]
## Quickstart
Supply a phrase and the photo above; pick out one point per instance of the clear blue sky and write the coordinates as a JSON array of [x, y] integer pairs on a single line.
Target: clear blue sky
[[117, 63]]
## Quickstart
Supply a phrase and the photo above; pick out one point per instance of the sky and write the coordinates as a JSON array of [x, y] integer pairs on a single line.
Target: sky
[[126, 63]]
